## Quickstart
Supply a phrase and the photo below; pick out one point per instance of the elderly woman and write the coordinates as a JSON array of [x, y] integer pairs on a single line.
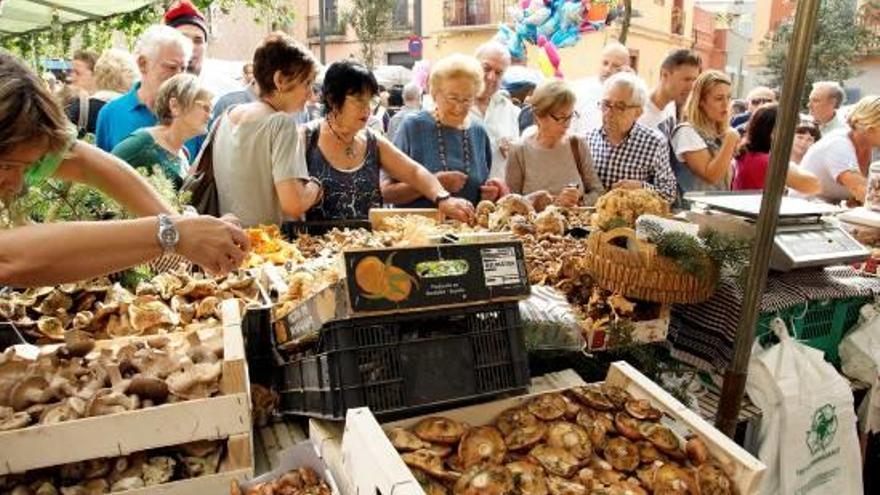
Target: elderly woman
[[550, 160], [456, 150], [753, 160], [114, 74], [183, 108], [346, 157], [841, 159], [259, 168], [704, 144], [37, 142]]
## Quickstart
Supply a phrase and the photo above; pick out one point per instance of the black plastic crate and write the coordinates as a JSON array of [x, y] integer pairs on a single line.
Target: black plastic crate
[[409, 364]]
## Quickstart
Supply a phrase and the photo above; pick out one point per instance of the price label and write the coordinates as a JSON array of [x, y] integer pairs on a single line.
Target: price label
[[500, 267]]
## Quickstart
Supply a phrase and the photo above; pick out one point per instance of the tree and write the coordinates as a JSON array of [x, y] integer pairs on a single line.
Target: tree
[[372, 21], [842, 37]]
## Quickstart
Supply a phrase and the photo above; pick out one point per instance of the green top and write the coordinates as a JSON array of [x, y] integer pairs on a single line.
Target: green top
[[48, 164], [140, 150]]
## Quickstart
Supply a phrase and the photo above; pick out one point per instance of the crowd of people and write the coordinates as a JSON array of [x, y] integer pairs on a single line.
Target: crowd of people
[[291, 146]]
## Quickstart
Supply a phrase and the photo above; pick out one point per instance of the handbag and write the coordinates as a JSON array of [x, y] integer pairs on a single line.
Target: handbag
[[200, 183]]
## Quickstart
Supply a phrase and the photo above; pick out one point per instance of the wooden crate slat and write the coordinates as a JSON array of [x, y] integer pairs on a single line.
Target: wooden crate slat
[[219, 484]]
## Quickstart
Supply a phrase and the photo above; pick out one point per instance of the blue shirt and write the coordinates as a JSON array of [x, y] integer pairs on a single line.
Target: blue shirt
[[417, 137], [121, 117]]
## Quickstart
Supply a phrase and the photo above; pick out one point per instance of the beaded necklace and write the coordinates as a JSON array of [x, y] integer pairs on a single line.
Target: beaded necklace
[[441, 147]]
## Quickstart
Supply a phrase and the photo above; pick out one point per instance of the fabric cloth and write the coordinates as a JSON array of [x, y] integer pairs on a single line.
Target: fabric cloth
[[394, 123], [686, 138], [141, 151], [348, 194], [249, 159], [501, 121], [417, 138], [837, 123], [589, 93], [703, 335], [93, 106], [120, 118], [532, 168], [643, 156], [661, 119], [751, 170], [526, 118], [828, 159], [228, 100], [740, 119]]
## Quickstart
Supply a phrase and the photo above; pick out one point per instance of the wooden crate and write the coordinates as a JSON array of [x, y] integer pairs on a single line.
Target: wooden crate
[[223, 416], [376, 468]]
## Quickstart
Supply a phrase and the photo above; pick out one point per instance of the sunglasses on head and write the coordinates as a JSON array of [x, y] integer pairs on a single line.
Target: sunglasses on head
[[760, 101]]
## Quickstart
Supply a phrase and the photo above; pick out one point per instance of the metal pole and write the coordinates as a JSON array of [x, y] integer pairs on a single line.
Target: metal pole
[[417, 18], [798, 54], [321, 33]]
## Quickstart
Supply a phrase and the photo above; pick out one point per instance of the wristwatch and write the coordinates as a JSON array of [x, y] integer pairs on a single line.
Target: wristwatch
[[441, 197], [168, 235]]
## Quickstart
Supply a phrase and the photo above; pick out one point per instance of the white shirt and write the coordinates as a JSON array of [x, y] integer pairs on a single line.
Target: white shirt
[[835, 124], [652, 116], [828, 159], [500, 121], [589, 93]]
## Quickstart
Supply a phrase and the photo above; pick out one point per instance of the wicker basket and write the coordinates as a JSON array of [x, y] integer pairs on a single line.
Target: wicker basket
[[638, 272]]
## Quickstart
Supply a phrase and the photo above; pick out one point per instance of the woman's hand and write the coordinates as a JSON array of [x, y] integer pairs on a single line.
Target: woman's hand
[[452, 180], [731, 136], [568, 197], [217, 245], [458, 209]]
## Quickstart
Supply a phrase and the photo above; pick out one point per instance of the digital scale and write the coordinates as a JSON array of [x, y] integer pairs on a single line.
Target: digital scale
[[807, 234]]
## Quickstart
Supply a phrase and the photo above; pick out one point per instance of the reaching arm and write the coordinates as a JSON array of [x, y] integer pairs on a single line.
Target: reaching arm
[[91, 166], [297, 196], [713, 169], [801, 180], [855, 183], [40, 255], [406, 171]]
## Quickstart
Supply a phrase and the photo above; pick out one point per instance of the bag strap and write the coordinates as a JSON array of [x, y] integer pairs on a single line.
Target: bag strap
[[83, 120], [576, 151], [204, 162]]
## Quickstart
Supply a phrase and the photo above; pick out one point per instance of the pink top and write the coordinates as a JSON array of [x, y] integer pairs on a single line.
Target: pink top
[[751, 169]]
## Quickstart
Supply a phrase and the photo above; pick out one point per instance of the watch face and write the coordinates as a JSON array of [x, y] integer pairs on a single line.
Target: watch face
[[169, 237]]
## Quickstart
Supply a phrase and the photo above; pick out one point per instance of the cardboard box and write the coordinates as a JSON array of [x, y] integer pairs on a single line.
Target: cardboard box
[[416, 278], [303, 454], [376, 468]]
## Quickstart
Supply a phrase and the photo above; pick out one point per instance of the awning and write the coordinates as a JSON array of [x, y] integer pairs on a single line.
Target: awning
[[21, 16]]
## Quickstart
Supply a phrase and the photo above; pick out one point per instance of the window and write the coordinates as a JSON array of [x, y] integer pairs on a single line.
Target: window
[[400, 58]]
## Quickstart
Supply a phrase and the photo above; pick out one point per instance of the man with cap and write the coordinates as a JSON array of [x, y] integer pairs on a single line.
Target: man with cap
[[187, 19]]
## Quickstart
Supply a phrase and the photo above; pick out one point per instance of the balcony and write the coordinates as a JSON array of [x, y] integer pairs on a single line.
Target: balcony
[[678, 21], [470, 13], [333, 25], [402, 19]]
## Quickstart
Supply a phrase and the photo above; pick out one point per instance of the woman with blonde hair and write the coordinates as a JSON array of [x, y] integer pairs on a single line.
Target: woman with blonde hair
[[114, 73], [548, 160], [183, 108], [446, 142], [704, 143], [841, 159]]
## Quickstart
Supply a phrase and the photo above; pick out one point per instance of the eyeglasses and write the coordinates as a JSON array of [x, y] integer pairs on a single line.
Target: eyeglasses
[[364, 103], [204, 105], [759, 101], [565, 120], [461, 102], [618, 106]]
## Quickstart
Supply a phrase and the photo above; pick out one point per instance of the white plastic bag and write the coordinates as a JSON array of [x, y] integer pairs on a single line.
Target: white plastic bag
[[808, 437], [549, 322], [860, 360]]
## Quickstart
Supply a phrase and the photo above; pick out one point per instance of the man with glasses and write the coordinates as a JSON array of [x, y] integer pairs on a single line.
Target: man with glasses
[[757, 97], [625, 153], [615, 58], [493, 108], [161, 53], [825, 101]]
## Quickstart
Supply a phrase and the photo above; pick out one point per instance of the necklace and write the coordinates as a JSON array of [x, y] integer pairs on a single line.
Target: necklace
[[441, 147], [349, 145]]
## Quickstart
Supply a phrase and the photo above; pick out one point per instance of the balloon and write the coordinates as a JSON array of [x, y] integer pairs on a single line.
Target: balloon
[[548, 58], [512, 41]]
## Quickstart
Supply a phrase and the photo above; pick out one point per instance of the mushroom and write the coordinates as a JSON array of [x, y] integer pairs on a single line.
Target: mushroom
[[209, 307], [31, 390], [119, 326], [198, 289], [51, 327], [106, 401], [124, 484], [63, 411], [12, 371], [185, 310], [484, 209], [78, 343], [11, 420], [45, 488], [148, 387], [147, 313], [158, 470], [195, 381], [82, 320], [54, 301], [550, 221]]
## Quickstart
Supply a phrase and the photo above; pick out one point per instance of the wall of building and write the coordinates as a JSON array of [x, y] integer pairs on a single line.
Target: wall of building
[[235, 35]]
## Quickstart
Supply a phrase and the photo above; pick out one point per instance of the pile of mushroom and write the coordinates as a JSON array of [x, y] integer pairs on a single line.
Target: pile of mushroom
[[588, 440], [301, 481], [169, 302], [138, 470], [78, 380]]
